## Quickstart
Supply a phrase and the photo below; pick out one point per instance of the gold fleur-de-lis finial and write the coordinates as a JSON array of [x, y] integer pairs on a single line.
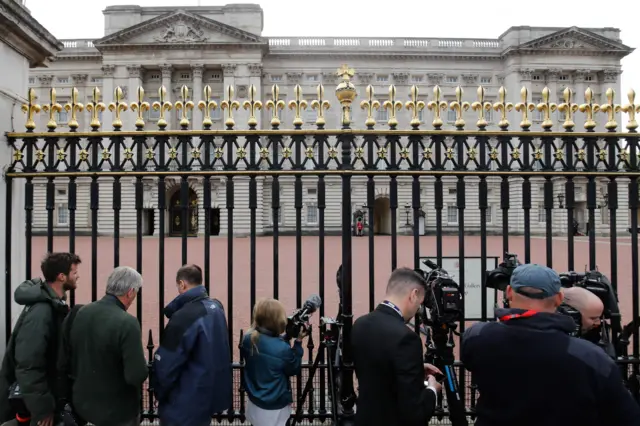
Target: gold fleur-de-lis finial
[[610, 108], [436, 106], [568, 108], [546, 108], [141, 106], [459, 107], [415, 106], [392, 105], [320, 105], [297, 105], [503, 107], [523, 107], [95, 107], [52, 109], [631, 109], [31, 108], [274, 104], [589, 108], [252, 105], [370, 104], [481, 106], [116, 107], [207, 105], [184, 105], [162, 105], [229, 104], [74, 107]]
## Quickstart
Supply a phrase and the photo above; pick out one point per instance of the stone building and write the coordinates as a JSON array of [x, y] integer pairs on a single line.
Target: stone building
[[222, 46]]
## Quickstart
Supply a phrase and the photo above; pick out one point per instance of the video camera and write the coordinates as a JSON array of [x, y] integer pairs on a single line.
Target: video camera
[[443, 299], [575, 315], [298, 321], [499, 278]]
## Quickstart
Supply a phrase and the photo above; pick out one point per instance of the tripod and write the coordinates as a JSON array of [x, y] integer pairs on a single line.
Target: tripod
[[440, 353], [329, 342]]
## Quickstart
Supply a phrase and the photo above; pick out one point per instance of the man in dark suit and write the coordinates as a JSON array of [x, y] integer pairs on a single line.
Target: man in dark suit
[[388, 359]]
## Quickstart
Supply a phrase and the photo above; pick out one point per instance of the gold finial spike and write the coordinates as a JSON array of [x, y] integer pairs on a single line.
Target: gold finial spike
[[415, 105], [459, 107], [503, 107], [568, 108], [346, 93], [162, 105], [481, 106], [631, 109], [52, 108], [229, 104], [95, 107], [252, 105], [436, 106], [31, 109], [370, 104], [589, 108], [207, 105], [546, 108], [392, 105], [141, 106], [184, 105], [116, 107], [320, 104], [297, 105], [74, 107], [610, 108], [524, 107], [274, 104]]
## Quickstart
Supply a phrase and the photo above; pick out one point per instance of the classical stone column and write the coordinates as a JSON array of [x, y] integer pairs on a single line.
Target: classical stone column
[[197, 94], [135, 81], [80, 83], [166, 82], [255, 79], [108, 72], [229, 72]]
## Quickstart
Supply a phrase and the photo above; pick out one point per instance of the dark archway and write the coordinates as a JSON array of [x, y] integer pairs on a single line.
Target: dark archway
[[176, 222], [382, 216]]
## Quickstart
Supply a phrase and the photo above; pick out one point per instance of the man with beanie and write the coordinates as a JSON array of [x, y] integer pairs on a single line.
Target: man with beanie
[[529, 371]]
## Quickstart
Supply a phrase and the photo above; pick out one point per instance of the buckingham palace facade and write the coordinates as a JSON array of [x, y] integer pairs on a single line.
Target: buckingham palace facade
[[222, 46]]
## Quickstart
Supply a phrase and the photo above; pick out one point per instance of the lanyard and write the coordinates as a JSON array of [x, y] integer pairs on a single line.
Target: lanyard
[[392, 306], [525, 314]]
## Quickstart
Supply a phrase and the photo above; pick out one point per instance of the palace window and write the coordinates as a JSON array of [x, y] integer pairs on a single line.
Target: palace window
[[62, 117], [452, 79], [154, 76], [564, 78], [216, 76], [63, 80], [32, 80], [542, 214], [276, 77], [96, 79], [279, 215], [489, 214], [451, 116], [417, 78], [381, 78], [382, 115], [312, 213], [452, 214], [185, 76], [485, 80], [536, 78], [63, 214], [312, 77]]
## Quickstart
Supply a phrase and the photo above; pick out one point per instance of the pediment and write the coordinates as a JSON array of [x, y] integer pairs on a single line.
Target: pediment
[[575, 38], [179, 27]]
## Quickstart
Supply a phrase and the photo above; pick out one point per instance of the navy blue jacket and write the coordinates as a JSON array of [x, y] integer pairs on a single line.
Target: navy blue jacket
[[267, 370], [193, 375], [530, 372]]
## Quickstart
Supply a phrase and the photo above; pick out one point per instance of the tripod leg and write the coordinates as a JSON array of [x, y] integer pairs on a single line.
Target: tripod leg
[[332, 390], [307, 387], [457, 412]]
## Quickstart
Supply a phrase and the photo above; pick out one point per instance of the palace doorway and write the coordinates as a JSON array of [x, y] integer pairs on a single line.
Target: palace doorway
[[176, 221]]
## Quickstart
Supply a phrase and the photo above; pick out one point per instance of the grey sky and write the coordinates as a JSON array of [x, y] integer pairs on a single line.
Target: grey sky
[[399, 18]]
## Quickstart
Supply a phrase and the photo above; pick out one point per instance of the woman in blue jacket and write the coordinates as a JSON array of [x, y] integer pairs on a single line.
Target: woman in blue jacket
[[270, 361]]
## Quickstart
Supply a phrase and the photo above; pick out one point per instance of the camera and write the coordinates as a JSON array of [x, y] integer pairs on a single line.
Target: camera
[[575, 315], [499, 278], [298, 321], [443, 299]]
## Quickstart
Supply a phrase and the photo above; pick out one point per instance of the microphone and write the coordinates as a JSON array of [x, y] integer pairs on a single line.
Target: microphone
[[311, 305]]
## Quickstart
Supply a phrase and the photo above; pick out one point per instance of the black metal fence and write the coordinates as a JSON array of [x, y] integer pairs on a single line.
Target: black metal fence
[[464, 182]]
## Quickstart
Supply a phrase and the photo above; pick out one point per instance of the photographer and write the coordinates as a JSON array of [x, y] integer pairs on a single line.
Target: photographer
[[590, 307], [270, 361], [529, 371]]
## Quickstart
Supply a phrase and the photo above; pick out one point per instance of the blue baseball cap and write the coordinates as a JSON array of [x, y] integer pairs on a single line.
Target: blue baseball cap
[[536, 277]]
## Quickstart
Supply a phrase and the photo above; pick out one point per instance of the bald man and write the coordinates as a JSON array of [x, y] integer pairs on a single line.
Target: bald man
[[588, 304]]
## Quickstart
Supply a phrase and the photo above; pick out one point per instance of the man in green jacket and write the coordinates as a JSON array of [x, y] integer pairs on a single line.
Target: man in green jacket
[[30, 358], [107, 363]]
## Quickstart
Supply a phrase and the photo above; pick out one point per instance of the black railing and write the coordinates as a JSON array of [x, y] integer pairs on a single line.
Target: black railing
[[452, 181]]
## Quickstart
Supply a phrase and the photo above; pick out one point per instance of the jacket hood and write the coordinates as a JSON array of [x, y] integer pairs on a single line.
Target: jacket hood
[[34, 291], [176, 304], [539, 321]]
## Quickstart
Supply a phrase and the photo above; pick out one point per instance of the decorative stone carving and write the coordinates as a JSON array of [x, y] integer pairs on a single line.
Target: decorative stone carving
[[365, 77], [553, 74], [229, 69], [435, 78], [242, 91], [501, 80], [470, 78], [181, 32], [611, 76], [166, 70], [526, 73], [294, 77], [108, 70], [79, 79], [45, 80], [400, 77], [581, 75], [255, 70], [135, 71], [197, 70], [567, 43]]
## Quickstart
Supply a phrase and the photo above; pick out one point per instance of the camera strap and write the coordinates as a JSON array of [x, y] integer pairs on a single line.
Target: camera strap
[[392, 306], [525, 314]]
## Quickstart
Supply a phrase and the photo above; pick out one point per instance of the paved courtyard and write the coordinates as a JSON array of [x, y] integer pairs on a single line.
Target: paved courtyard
[[151, 306]]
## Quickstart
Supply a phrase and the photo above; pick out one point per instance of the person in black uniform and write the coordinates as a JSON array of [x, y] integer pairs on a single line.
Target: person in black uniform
[[388, 359]]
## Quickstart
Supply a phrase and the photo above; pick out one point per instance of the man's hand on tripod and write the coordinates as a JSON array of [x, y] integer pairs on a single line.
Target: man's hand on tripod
[[431, 370]]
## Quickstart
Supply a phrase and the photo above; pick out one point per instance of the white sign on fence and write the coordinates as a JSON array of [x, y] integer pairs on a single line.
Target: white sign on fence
[[472, 282]]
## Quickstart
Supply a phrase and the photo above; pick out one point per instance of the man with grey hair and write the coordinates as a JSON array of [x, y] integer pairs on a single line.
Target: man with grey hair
[[107, 363]]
